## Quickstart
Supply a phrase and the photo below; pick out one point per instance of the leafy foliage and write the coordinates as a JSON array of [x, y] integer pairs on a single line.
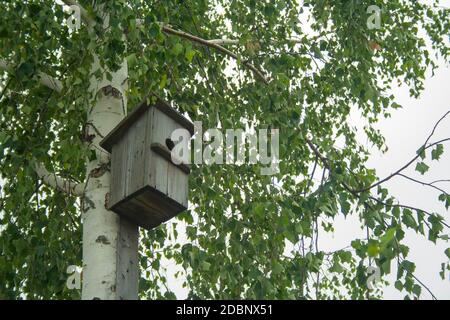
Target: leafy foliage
[[247, 235]]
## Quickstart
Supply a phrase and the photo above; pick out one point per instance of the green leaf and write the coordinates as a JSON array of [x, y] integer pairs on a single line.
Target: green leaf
[[417, 290], [345, 256], [437, 152], [170, 295], [387, 237], [409, 266], [290, 236], [205, 266], [163, 82], [386, 266], [408, 219], [373, 250], [25, 70], [259, 210], [177, 49], [189, 55], [421, 152], [132, 60], [298, 228], [154, 30], [422, 167], [337, 268], [277, 268], [446, 199]]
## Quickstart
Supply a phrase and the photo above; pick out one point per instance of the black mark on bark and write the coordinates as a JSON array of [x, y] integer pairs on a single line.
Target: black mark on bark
[[103, 240], [111, 91]]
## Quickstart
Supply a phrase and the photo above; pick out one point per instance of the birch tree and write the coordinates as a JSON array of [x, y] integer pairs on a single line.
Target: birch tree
[[299, 66]]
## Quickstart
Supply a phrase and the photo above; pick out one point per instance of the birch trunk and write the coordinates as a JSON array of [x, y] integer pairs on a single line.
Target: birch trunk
[[110, 266]]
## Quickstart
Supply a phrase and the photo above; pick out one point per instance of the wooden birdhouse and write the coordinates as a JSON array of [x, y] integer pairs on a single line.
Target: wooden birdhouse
[[146, 186]]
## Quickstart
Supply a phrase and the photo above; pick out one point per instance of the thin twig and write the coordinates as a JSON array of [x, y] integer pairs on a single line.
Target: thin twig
[[439, 181], [423, 183]]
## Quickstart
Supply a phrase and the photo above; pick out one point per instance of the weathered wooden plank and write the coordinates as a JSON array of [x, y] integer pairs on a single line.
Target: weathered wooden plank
[[115, 175], [131, 148], [161, 130], [166, 154], [162, 127], [127, 261], [148, 173], [174, 115], [137, 154], [158, 168], [155, 207], [118, 171], [122, 128], [135, 210], [177, 184]]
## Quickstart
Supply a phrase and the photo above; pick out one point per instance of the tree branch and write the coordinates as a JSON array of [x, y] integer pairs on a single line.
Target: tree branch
[[190, 37], [317, 153], [61, 184], [222, 42], [236, 42], [324, 160], [5, 88], [43, 78], [50, 82]]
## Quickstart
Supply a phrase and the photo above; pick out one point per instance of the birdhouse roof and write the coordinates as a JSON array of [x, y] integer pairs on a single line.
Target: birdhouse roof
[[108, 142]]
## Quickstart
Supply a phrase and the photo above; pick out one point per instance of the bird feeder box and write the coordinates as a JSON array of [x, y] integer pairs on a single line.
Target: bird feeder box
[[146, 186]]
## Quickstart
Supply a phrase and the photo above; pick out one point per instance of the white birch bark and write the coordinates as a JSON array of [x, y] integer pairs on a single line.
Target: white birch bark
[[55, 181], [110, 244], [101, 227]]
